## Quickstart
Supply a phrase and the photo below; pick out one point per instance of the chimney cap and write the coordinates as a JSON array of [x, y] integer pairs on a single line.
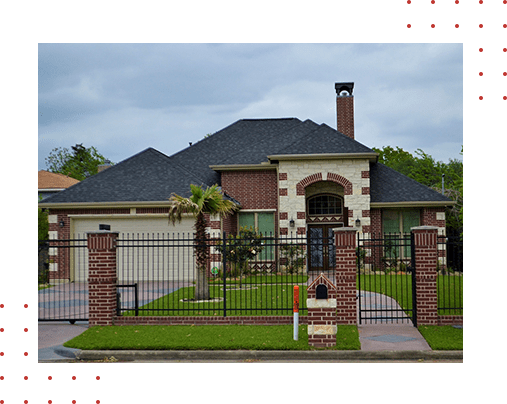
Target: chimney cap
[[348, 87]]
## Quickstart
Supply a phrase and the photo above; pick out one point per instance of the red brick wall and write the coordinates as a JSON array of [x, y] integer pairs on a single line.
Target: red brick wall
[[208, 320], [345, 115], [429, 217], [345, 241], [102, 278], [255, 189], [425, 241]]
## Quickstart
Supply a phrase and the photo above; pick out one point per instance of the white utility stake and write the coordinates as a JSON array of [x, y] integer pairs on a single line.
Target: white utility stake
[[296, 312]]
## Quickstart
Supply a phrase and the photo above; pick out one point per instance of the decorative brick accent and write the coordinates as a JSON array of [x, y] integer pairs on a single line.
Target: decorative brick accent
[[365, 213], [426, 256], [301, 230], [284, 231], [284, 216], [284, 192], [345, 242], [365, 174], [311, 179], [282, 176], [365, 191], [102, 278], [301, 215], [344, 182]]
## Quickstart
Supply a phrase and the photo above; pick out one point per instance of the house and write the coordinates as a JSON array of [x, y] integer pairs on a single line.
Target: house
[[288, 176], [52, 183]]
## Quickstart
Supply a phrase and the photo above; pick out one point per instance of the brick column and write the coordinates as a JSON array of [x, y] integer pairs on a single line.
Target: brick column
[[426, 256], [345, 282], [102, 277]]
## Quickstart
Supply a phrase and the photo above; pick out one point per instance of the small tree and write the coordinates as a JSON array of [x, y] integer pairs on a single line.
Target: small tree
[[201, 202], [242, 248], [80, 164], [293, 256]]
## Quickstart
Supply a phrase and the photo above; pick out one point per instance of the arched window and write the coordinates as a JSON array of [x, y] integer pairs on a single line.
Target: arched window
[[325, 205]]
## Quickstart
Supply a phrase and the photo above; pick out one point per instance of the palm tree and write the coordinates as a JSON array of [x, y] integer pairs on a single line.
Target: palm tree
[[201, 202]]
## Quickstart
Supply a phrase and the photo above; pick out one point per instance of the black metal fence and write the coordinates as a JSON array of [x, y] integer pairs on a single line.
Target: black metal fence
[[385, 278], [450, 276], [63, 279], [244, 275]]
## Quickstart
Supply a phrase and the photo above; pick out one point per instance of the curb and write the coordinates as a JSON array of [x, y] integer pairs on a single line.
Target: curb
[[269, 355]]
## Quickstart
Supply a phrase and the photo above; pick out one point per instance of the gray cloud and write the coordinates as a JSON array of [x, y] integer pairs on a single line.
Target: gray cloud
[[123, 98]]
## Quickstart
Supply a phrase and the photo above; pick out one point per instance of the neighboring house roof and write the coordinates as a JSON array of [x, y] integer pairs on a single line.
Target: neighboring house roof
[[54, 181], [152, 176]]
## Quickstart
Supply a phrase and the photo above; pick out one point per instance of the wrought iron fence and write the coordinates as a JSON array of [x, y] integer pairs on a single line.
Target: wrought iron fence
[[63, 279], [385, 278], [450, 275], [249, 274]]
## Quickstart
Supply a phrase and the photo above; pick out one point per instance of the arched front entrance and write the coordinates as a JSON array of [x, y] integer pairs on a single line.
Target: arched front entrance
[[325, 211]]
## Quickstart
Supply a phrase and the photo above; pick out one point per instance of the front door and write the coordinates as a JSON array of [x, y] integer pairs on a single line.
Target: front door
[[321, 247]]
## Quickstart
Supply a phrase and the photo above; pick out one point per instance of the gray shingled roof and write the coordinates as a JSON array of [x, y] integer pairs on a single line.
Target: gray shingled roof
[[146, 176], [152, 176], [388, 185]]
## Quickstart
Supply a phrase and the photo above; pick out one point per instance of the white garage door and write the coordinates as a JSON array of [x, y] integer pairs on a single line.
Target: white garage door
[[150, 249]]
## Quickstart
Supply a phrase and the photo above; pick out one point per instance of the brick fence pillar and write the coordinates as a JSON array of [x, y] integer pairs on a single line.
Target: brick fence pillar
[[321, 318], [345, 275], [426, 257], [102, 277]]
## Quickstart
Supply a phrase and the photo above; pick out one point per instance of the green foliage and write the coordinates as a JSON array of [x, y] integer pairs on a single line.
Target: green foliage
[[241, 248], [293, 256], [424, 169], [80, 163]]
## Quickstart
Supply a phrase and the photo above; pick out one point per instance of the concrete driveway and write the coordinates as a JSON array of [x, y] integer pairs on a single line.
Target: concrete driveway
[[52, 335]]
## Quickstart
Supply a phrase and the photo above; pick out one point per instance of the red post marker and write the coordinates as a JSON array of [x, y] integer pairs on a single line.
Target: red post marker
[[296, 312]]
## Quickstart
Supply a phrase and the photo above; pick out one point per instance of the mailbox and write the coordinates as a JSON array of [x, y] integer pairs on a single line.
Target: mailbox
[[321, 291]]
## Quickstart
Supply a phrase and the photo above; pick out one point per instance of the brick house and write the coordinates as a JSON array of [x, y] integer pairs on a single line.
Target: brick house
[[288, 175]]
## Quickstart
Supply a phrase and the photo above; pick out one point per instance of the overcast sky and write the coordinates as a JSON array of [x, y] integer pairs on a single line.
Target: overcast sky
[[123, 98]]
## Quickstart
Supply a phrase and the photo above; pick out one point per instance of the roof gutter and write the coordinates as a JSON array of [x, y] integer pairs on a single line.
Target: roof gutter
[[239, 167], [108, 205], [411, 204], [325, 156]]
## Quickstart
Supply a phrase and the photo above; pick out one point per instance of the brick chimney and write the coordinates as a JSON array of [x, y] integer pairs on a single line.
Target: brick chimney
[[345, 108]]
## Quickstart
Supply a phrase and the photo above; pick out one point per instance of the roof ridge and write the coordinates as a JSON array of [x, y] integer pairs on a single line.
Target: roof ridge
[[297, 122]]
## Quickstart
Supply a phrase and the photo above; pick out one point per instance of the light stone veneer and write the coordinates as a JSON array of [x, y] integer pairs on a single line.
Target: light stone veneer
[[322, 329], [320, 303], [298, 170]]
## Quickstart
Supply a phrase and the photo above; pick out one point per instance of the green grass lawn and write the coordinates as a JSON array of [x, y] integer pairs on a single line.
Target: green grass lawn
[[248, 300], [399, 287], [206, 337], [442, 337], [273, 295]]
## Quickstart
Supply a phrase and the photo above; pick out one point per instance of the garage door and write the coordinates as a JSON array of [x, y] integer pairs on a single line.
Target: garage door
[[150, 248]]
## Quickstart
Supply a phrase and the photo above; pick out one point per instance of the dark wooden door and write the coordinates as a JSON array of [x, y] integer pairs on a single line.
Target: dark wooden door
[[321, 249]]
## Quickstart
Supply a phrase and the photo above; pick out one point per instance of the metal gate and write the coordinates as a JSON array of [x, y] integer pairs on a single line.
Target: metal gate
[[63, 279], [386, 279]]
